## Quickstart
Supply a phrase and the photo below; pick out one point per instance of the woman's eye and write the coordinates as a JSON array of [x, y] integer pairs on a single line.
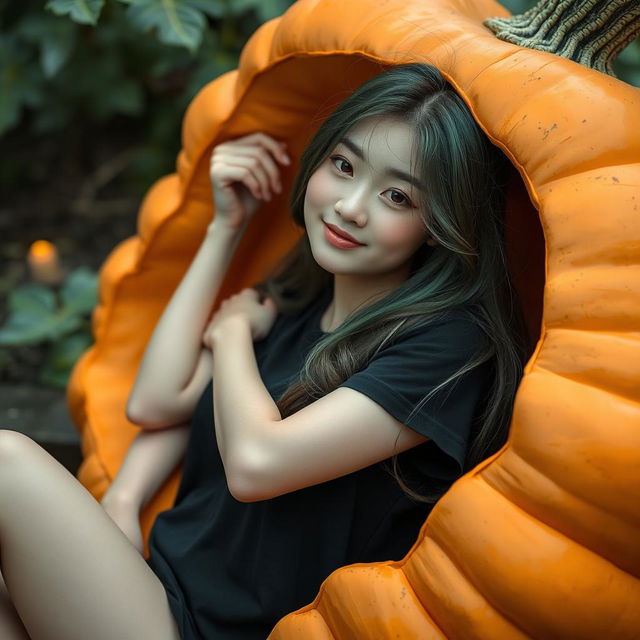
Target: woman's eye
[[342, 165], [397, 197]]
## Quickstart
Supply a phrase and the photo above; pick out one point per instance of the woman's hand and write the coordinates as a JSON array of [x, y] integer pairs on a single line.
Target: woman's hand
[[245, 307], [243, 172]]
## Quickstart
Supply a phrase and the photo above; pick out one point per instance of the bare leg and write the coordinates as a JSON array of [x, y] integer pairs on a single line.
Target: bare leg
[[11, 627], [70, 571]]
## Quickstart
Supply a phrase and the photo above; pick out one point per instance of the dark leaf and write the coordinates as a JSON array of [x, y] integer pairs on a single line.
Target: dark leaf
[[79, 292], [61, 358], [176, 21], [82, 11]]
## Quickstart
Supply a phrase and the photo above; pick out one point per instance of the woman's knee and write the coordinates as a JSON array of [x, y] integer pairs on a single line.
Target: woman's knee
[[15, 447]]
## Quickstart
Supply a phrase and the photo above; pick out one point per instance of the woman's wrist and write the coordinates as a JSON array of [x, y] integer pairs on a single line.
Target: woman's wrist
[[234, 324], [220, 228]]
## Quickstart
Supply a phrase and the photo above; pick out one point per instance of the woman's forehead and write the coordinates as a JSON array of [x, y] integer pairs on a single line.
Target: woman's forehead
[[386, 144]]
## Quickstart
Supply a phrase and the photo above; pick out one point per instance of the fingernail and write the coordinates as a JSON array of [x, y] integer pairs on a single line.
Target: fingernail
[[285, 159]]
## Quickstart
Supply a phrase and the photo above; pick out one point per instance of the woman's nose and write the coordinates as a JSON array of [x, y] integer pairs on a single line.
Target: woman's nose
[[353, 207]]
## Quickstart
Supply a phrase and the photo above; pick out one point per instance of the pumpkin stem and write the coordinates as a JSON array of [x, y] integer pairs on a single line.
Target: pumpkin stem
[[591, 32]]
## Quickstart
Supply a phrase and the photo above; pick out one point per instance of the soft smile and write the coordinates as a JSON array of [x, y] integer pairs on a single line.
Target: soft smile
[[339, 238]]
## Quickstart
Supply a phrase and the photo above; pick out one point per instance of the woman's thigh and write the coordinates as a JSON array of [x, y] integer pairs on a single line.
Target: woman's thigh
[[11, 627], [70, 571]]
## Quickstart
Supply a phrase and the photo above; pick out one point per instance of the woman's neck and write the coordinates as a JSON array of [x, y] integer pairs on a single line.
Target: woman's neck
[[354, 292]]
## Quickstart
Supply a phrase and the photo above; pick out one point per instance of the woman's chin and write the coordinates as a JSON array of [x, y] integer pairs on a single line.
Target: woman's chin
[[333, 264]]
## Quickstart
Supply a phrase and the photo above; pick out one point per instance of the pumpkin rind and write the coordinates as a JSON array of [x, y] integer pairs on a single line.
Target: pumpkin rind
[[522, 545]]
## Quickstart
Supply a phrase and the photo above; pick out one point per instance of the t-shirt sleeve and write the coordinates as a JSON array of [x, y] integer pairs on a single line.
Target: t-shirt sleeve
[[400, 376]]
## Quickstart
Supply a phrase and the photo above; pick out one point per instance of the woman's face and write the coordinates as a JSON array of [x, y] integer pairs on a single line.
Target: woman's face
[[366, 189]]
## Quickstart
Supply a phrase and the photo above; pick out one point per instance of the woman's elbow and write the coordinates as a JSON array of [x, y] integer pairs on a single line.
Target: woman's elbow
[[247, 480], [243, 492], [134, 412], [147, 416]]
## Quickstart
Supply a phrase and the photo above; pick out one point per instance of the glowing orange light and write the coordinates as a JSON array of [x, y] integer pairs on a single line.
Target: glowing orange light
[[42, 250], [44, 263]]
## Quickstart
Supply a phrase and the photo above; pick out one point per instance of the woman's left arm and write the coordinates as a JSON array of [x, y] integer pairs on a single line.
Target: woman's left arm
[[240, 399], [243, 408], [265, 455]]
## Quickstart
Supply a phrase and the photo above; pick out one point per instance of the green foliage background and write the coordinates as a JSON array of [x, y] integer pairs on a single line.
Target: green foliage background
[[93, 90], [88, 62], [57, 317]]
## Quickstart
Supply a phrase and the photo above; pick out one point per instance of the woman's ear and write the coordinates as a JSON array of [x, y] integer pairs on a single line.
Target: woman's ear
[[431, 242]]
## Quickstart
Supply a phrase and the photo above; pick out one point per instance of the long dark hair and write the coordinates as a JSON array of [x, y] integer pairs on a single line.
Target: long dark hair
[[463, 203]]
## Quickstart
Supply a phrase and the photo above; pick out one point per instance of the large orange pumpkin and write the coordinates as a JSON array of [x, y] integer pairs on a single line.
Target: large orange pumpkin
[[541, 540]]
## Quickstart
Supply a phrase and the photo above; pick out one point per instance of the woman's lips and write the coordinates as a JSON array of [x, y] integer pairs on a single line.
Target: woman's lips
[[339, 241]]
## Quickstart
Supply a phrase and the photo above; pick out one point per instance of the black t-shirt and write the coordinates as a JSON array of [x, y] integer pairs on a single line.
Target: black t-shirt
[[233, 569]]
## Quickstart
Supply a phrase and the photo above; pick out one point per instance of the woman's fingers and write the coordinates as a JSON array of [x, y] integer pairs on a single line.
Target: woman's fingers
[[266, 176], [244, 171], [270, 169], [265, 157], [256, 152], [227, 175], [277, 149]]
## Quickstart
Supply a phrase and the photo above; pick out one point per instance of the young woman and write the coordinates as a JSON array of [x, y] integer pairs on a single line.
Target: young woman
[[328, 408]]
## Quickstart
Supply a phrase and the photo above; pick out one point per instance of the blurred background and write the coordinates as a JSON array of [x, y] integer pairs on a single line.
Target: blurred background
[[92, 95]]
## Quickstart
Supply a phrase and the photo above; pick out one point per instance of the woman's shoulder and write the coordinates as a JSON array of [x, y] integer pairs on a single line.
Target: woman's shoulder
[[452, 326], [451, 339]]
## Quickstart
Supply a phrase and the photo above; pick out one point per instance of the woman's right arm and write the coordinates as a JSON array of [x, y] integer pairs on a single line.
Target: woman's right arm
[[173, 371], [175, 368]]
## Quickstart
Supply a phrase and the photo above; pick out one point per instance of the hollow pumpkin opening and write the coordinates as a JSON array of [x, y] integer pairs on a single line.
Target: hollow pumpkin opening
[[308, 90]]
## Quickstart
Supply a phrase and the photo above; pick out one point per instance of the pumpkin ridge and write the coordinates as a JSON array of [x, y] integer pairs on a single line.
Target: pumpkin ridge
[[109, 289], [513, 493], [593, 384], [327, 619], [594, 346], [612, 311], [434, 550], [483, 596], [608, 257], [367, 588], [597, 554], [196, 139], [322, 588], [426, 609], [144, 246], [581, 430], [492, 602], [587, 168], [543, 560]]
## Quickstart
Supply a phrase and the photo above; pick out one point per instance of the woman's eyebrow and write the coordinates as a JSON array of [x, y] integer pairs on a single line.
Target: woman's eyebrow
[[390, 171]]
